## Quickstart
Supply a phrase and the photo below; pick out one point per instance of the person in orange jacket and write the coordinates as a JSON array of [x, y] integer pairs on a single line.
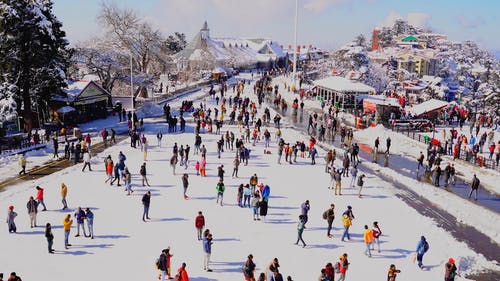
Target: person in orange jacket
[[342, 265], [183, 273], [368, 237]]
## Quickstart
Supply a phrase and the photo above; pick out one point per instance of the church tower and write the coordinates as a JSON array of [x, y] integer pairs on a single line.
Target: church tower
[[205, 32]]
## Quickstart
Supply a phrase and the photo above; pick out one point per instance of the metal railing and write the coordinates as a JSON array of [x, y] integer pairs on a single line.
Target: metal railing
[[466, 156]]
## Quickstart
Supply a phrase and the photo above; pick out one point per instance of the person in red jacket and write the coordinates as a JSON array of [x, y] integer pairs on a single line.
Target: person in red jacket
[[330, 271], [199, 223], [182, 273], [39, 197]]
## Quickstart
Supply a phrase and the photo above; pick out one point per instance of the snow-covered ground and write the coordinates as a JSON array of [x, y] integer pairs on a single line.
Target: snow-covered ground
[[126, 248]]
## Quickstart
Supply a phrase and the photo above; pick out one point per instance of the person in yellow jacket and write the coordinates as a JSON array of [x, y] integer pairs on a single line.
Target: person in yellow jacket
[[67, 222], [64, 192], [22, 163], [368, 237], [347, 222]]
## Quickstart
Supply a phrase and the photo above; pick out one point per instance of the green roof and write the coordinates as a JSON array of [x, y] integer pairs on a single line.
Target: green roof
[[410, 38]]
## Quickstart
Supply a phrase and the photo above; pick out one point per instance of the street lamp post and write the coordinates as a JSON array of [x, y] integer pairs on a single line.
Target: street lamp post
[[131, 81], [295, 45]]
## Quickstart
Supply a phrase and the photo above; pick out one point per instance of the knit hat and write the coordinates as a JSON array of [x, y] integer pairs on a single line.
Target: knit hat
[[451, 260], [11, 207]]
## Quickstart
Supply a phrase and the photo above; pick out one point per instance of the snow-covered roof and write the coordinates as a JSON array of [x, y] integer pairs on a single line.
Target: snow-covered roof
[[226, 49], [341, 84], [428, 106], [76, 88], [382, 100]]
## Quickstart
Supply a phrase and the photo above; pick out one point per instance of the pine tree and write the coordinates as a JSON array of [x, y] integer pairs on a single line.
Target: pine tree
[[34, 53]]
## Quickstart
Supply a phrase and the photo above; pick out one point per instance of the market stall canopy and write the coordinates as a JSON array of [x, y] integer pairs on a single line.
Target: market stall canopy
[[65, 109], [428, 106], [343, 85]]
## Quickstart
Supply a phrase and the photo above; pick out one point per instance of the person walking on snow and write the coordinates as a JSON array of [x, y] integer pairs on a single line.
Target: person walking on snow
[[392, 273], [207, 251], [22, 163], [32, 207], [143, 173], [354, 174], [305, 207], [86, 161], [127, 180], [450, 270], [376, 235], [347, 218], [199, 224], [182, 272], [67, 222], [185, 184], [422, 248], [90, 222], [360, 184], [368, 238], [387, 144], [329, 215], [80, 219], [474, 187], [300, 229], [220, 188], [64, 193], [39, 197], [11, 216], [342, 265], [255, 203], [159, 136], [146, 200], [50, 237]]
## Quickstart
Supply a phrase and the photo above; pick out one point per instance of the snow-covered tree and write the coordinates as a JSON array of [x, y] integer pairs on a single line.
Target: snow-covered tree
[[34, 53], [8, 105]]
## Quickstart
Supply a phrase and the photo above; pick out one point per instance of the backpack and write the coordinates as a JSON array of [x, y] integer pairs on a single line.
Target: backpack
[[426, 246], [325, 214], [157, 263]]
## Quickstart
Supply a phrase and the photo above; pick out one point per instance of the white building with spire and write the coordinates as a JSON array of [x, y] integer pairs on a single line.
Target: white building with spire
[[206, 52]]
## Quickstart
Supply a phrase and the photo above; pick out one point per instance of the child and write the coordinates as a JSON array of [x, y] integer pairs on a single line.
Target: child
[[197, 168]]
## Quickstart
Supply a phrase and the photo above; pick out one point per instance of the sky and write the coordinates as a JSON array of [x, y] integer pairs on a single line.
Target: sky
[[322, 23]]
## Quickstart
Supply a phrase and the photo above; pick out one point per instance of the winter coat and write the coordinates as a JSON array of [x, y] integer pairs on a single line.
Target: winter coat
[[207, 245], [11, 215], [183, 274], [475, 183], [199, 221], [22, 161], [64, 190], [39, 194], [48, 234], [450, 271], [421, 248], [255, 202], [346, 220], [67, 222], [80, 216], [305, 208], [266, 191], [32, 206], [146, 199], [86, 157], [263, 208], [220, 188], [368, 236]]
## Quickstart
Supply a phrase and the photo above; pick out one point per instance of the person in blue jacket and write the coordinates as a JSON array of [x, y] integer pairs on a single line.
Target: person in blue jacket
[[80, 219], [266, 191], [422, 248], [207, 250], [90, 222]]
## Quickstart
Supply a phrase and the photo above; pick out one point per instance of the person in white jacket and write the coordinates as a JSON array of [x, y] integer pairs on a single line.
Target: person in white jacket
[[86, 161]]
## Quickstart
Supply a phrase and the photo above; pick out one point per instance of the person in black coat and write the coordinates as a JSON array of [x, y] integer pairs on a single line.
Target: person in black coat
[[263, 205], [146, 199], [474, 186]]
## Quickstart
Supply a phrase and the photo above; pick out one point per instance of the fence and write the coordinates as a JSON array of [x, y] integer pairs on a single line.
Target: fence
[[466, 156]]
